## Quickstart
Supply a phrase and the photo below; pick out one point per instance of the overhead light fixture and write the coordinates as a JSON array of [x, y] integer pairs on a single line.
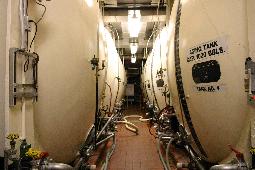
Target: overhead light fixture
[[89, 3], [133, 47], [134, 22], [133, 58]]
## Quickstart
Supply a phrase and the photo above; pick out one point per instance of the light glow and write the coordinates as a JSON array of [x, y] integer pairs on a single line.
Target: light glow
[[134, 22], [133, 58], [133, 48], [89, 3]]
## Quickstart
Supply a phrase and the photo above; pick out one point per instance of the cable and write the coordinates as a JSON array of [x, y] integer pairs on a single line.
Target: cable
[[32, 21], [110, 97], [35, 69], [146, 49], [26, 64], [42, 13]]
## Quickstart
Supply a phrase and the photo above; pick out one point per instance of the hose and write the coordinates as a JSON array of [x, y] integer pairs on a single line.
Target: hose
[[106, 124], [136, 116], [160, 155], [109, 154], [134, 128], [167, 153]]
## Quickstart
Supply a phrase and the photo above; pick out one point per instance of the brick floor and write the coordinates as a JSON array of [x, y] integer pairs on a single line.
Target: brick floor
[[135, 152]]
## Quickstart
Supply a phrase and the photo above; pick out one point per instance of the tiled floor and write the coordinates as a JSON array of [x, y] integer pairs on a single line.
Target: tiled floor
[[136, 152]]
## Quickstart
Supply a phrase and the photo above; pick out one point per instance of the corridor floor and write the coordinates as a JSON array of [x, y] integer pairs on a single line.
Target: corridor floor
[[135, 152]]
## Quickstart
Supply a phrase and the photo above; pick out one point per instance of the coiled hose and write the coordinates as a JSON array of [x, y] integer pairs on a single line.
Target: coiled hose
[[128, 124]]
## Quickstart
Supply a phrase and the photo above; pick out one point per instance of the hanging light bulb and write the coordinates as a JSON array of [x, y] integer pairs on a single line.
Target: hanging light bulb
[[89, 3], [133, 58], [133, 48], [134, 22]]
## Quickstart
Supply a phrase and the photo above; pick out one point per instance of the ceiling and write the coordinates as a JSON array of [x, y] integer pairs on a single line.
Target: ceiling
[[153, 14]]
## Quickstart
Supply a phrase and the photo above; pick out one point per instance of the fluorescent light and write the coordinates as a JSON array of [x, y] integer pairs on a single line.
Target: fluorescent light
[[133, 48], [89, 2], [133, 58], [134, 22]]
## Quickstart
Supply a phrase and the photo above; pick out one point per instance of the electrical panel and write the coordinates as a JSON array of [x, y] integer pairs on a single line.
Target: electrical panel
[[22, 75]]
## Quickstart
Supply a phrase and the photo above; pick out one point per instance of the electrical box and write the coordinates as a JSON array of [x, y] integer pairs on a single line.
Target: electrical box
[[22, 75]]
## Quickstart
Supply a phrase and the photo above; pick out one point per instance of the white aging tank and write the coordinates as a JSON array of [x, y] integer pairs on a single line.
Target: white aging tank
[[159, 76], [66, 42], [115, 74], [142, 85], [123, 81], [154, 77], [147, 80], [206, 65]]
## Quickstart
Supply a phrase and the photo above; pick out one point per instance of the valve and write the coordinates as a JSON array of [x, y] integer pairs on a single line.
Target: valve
[[239, 155], [94, 62], [12, 137]]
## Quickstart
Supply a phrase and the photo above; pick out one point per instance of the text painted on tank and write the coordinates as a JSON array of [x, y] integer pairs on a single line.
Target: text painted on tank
[[211, 88], [212, 48]]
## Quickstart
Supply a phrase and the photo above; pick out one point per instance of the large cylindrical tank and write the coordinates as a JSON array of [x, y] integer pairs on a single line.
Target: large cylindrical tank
[[154, 77], [206, 63], [66, 42], [159, 76], [142, 85], [122, 82], [115, 74], [147, 79]]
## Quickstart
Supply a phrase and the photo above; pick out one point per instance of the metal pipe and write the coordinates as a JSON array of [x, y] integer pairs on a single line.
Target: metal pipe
[[106, 124], [160, 155], [56, 166], [227, 167], [167, 153], [78, 164], [142, 8], [23, 23], [194, 157], [6, 161], [109, 154], [105, 139]]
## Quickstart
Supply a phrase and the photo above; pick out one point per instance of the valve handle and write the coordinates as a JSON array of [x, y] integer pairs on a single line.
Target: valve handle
[[239, 155]]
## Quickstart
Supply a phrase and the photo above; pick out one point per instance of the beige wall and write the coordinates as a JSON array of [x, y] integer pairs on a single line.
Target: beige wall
[[251, 27], [3, 22]]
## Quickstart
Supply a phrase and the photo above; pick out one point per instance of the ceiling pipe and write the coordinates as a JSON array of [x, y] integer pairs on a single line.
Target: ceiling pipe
[[132, 7]]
